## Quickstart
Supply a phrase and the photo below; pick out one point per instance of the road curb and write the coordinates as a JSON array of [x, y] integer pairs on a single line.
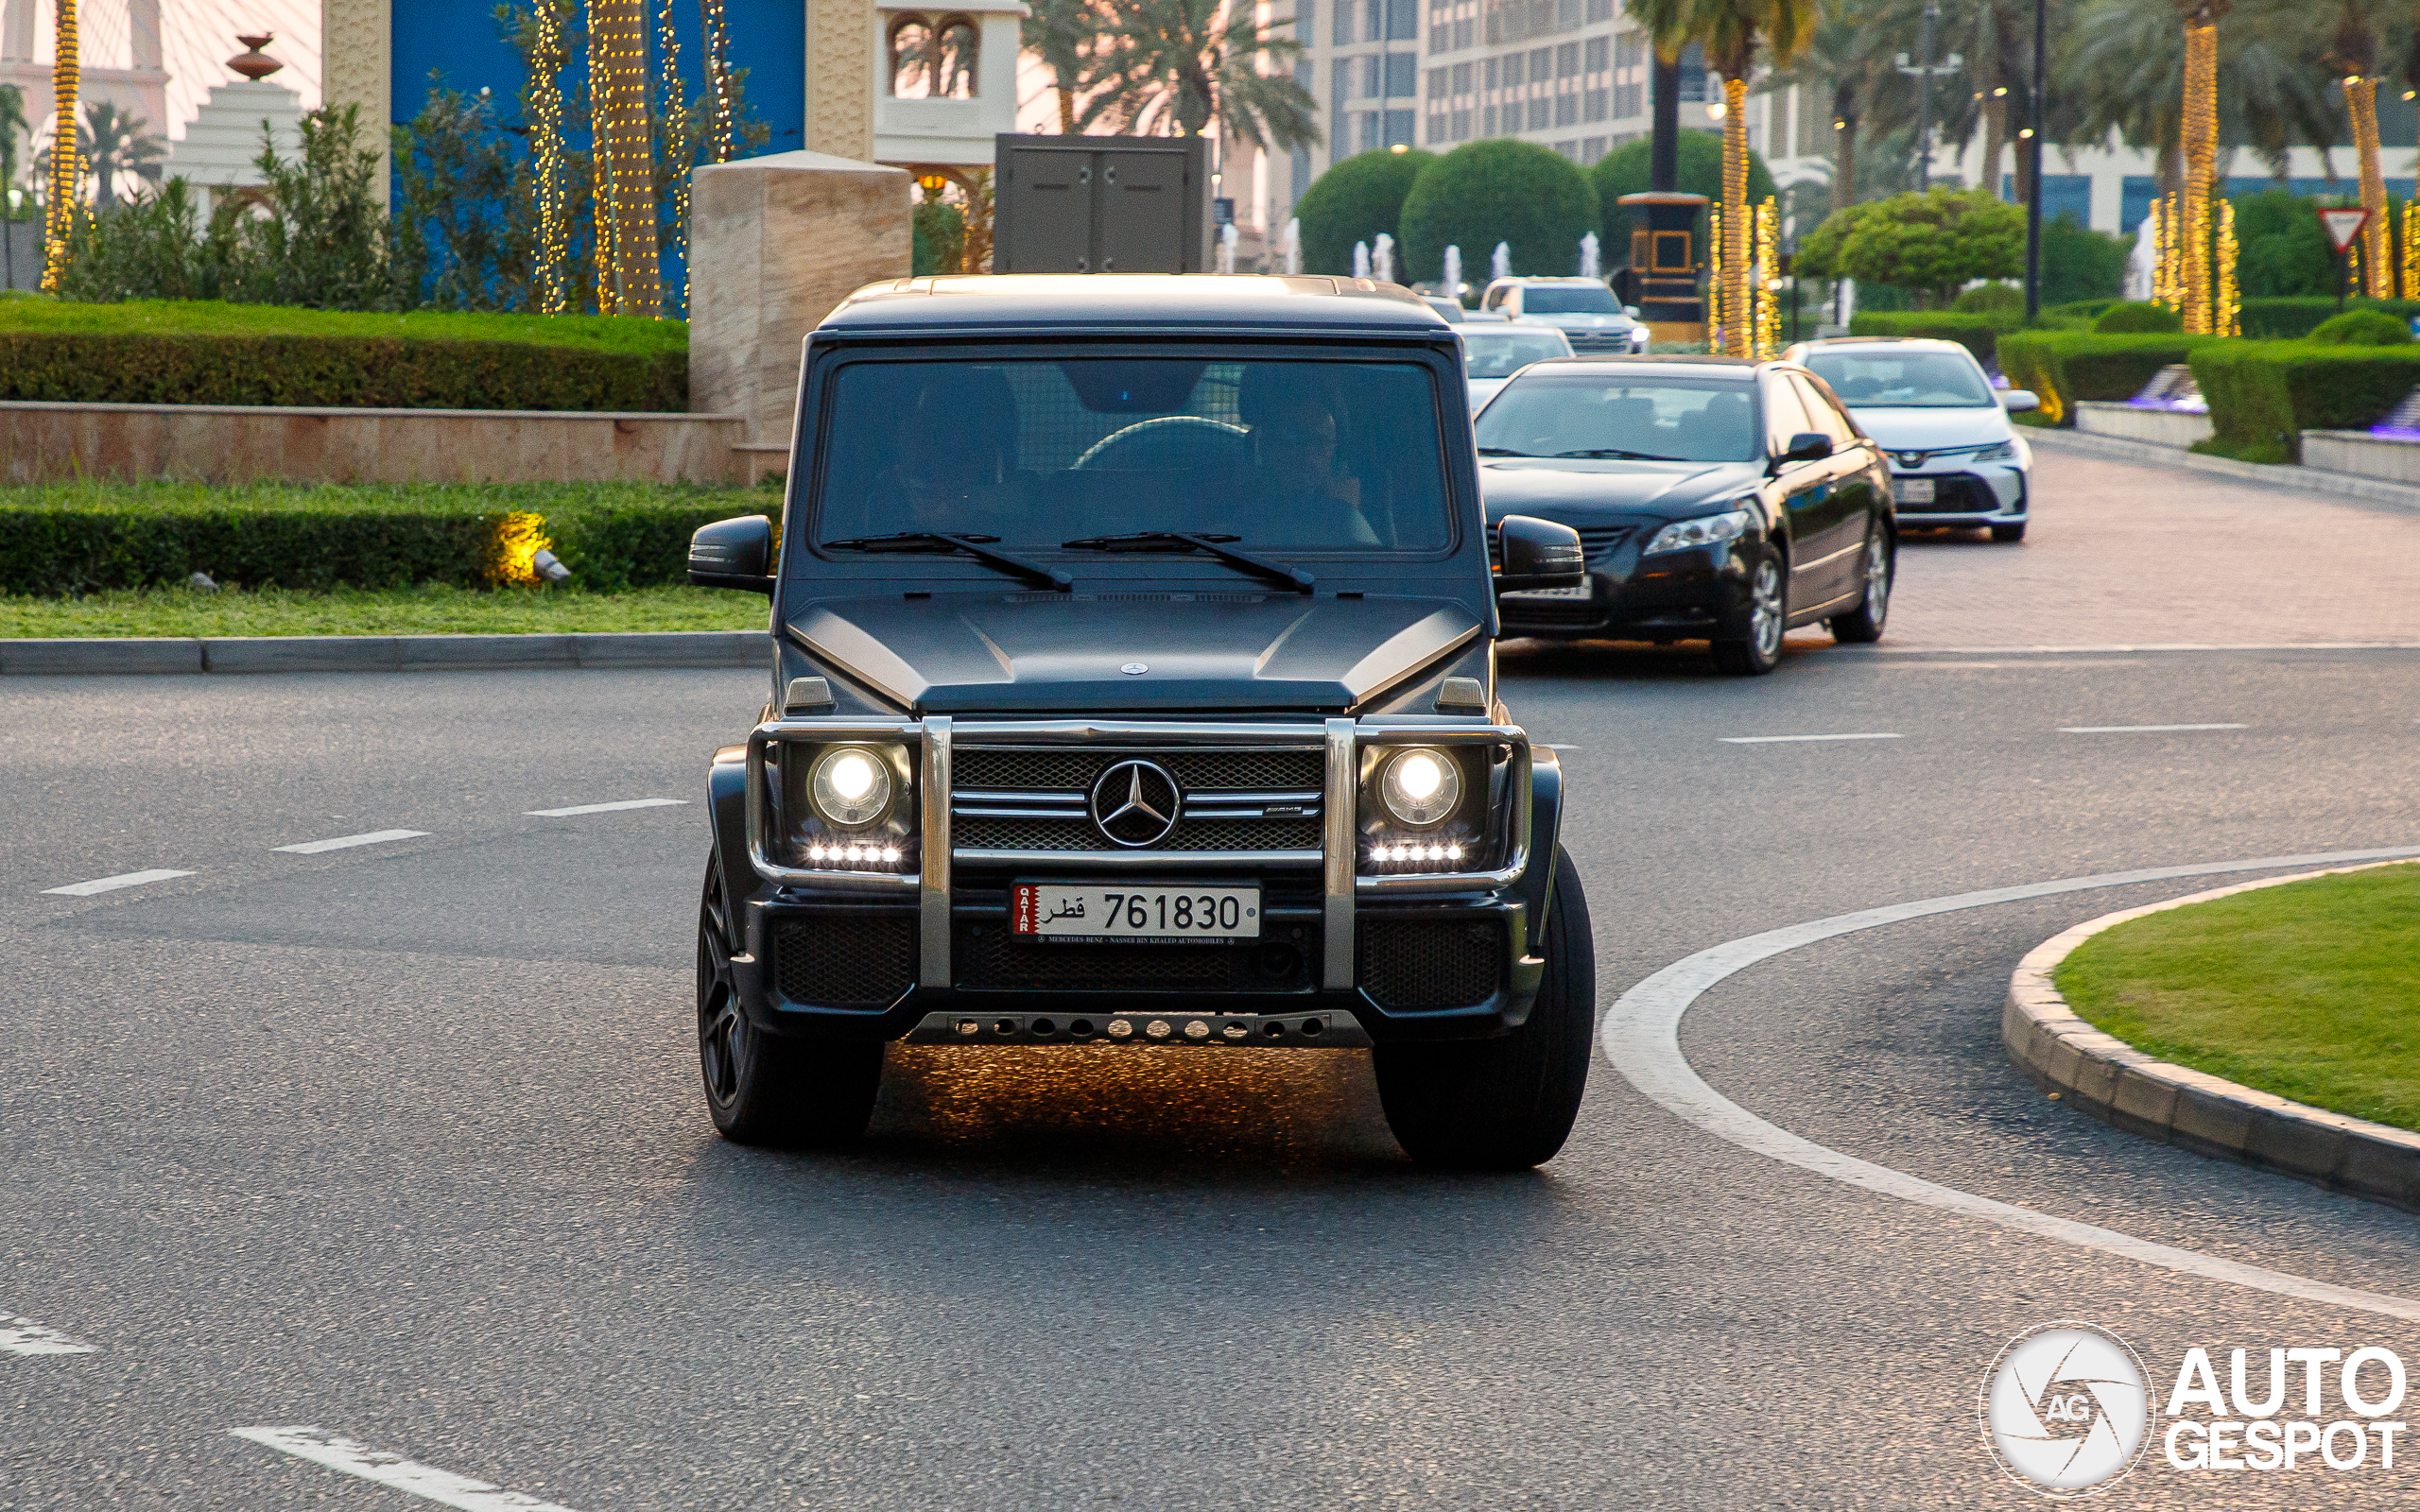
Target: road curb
[[2109, 1079], [383, 653], [2290, 476]]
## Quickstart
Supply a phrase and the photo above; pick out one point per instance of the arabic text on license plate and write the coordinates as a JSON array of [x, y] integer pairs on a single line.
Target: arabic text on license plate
[[1916, 491], [1121, 912]]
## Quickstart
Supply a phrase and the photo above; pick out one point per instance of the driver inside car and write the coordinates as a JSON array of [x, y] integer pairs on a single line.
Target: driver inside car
[[1306, 499]]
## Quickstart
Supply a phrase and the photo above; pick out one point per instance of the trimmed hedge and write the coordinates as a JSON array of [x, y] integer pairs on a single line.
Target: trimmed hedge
[[81, 538], [1979, 332], [372, 372], [2063, 366], [2138, 318], [2264, 394], [2287, 319]]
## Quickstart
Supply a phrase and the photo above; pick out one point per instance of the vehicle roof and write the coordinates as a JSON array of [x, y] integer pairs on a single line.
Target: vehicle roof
[[1059, 300], [1872, 341], [1545, 278], [1734, 366]]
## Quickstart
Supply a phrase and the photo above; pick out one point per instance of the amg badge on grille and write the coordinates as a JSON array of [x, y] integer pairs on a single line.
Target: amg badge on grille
[[1135, 803]]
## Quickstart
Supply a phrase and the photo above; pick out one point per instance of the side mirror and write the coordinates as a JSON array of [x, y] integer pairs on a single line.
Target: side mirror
[[1538, 553], [2016, 401], [733, 554], [1807, 446], [1630, 310]]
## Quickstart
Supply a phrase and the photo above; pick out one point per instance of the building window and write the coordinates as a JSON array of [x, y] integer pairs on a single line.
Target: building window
[[1540, 114], [1400, 125], [1464, 35], [1301, 175], [1461, 126], [1402, 20], [932, 61], [1340, 86], [1566, 15], [1599, 10], [1461, 78], [1598, 49], [1369, 131], [1541, 64], [1566, 59], [1306, 12], [1567, 110], [1627, 100], [1569, 149], [1374, 76], [1487, 121], [1693, 74], [1437, 78], [1629, 49], [1513, 66], [1403, 75], [1593, 105], [1592, 150], [1341, 29]]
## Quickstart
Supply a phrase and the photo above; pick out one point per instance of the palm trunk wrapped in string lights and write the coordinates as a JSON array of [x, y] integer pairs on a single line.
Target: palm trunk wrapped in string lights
[[2201, 123], [1716, 279], [2361, 104], [2412, 251], [66, 166], [546, 59], [675, 104], [2227, 306], [618, 92], [718, 49], [1767, 327], [1738, 332]]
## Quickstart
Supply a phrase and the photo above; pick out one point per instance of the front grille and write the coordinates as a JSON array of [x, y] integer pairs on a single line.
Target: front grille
[[1596, 542], [845, 957], [1037, 799], [1417, 963], [1957, 494], [1589, 343], [987, 958]]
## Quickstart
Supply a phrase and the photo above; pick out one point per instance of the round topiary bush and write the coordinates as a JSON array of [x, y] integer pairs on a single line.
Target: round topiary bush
[[2141, 317], [1354, 201], [1698, 162], [1498, 190], [2363, 327]]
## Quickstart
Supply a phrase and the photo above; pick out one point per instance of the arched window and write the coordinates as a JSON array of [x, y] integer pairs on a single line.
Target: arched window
[[912, 57], [953, 62]]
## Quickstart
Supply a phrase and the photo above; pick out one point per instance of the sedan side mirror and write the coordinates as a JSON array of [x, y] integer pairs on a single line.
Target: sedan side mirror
[[1807, 446], [2018, 400], [733, 554], [1539, 553]]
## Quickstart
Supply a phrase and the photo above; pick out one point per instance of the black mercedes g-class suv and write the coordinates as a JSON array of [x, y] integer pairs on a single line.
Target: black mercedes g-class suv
[[1135, 684]]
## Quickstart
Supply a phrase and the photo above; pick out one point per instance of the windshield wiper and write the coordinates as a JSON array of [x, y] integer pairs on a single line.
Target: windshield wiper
[[975, 546], [1503, 451], [1277, 571], [1618, 453]]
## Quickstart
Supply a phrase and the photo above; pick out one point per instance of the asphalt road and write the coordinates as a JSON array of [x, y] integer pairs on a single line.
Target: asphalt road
[[403, 1140]]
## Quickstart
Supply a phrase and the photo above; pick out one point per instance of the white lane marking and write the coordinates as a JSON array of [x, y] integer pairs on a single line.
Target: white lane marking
[[337, 1453], [131, 879], [2139, 730], [1783, 740], [1552, 746], [345, 842], [1642, 1037], [22, 1335], [606, 808]]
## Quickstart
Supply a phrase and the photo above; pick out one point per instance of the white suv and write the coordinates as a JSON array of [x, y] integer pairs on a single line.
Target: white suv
[[1956, 462], [1584, 309]]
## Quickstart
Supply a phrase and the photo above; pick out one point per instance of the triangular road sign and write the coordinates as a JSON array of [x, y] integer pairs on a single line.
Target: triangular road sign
[[2344, 225]]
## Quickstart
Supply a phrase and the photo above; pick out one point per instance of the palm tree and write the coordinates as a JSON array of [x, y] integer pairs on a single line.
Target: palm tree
[[1732, 32], [114, 142], [1056, 31], [2122, 71], [1847, 62], [1184, 63], [12, 124]]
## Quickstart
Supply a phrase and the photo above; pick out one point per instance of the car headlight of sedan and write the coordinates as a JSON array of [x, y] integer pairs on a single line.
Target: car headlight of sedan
[[2001, 453], [1707, 530]]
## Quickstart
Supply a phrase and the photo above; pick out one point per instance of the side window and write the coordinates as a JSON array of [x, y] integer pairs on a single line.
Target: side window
[[1827, 416], [1785, 415]]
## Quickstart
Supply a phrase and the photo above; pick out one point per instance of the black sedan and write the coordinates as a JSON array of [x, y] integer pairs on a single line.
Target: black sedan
[[1718, 500]]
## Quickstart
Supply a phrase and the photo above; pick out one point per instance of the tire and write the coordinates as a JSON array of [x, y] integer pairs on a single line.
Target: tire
[[2009, 535], [1863, 626], [1504, 1104], [1759, 652], [762, 1089]]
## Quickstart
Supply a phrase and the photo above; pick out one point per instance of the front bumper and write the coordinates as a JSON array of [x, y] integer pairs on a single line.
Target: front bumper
[[1343, 958], [1701, 594], [1965, 495]]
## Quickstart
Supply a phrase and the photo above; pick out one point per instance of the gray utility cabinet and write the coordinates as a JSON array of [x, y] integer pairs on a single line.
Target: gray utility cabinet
[[1102, 204]]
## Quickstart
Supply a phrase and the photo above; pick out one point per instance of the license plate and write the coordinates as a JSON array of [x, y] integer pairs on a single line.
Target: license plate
[[1915, 491], [1106, 913], [1548, 592]]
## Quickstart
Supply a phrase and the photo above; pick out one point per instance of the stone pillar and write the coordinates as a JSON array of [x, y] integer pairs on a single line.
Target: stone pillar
[[357, 67], [842, 38], [774, 243]]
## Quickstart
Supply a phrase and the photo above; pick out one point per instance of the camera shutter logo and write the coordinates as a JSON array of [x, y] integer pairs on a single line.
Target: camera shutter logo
[[1135, 803], [2068, 1409]]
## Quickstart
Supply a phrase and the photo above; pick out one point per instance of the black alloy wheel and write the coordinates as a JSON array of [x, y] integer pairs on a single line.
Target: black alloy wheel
[[1863, 626], [1504, 1104], [764, 1088], [1758, 651]]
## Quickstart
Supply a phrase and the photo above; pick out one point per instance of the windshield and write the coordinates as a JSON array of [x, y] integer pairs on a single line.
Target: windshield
[[1569, 298], [1033, 454], [1673, 419], [1903, 380], [1502, 353]]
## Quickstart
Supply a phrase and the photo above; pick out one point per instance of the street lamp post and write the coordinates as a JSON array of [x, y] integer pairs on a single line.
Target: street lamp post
[[1924, 72]]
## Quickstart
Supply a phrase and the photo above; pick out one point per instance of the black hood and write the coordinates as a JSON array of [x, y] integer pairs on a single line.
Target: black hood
[[1558, 488], [1065, 653]]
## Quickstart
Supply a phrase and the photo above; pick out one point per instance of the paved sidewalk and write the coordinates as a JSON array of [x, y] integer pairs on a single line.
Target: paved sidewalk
[[2124, 554]]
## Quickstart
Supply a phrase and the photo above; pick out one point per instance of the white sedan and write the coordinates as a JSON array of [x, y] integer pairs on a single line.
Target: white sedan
[[1492, 354]]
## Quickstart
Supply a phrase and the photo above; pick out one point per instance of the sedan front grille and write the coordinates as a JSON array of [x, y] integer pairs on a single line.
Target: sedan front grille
[[1955, 493], [1591, 343], [1596, 542]]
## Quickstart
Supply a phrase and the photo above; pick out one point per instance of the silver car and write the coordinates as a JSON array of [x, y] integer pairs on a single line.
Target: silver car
[[1493, 353], [1584, 309], [1956, 462]]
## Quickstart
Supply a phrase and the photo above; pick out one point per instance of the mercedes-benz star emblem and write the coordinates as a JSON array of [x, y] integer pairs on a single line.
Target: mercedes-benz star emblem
[[1135, 669], [1137, 804], [1911, 458]]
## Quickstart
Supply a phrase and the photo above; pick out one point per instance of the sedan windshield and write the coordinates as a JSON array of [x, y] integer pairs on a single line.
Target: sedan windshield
[[1029, 454], [1672, 419], [1503, 353], [1569, 298], [1903, 380]]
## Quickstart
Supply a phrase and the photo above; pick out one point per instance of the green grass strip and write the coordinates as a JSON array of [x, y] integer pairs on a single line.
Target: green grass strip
[[433, 608], [594, 332], [2311, 991]]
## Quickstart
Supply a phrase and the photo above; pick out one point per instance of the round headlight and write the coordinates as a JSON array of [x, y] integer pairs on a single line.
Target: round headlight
[[852, 788], [1420, 786]]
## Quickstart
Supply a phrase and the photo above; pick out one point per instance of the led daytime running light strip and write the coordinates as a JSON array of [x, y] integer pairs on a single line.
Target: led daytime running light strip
[[854, 855], [1412, 851]]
